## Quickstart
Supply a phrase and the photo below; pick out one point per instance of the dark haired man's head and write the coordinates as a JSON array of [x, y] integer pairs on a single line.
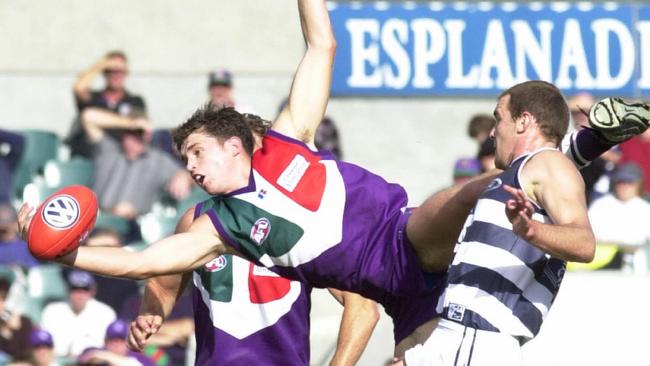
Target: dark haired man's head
[[545, 102], [221, 123], [216, 145], [529, 116]]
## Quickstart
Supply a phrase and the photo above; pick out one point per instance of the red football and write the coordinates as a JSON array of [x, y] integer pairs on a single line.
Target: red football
[[62, 221]]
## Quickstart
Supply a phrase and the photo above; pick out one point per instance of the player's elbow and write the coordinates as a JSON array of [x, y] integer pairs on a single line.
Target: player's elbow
[[137, 274], [372, 312], [326, 44], [585, 252], [586, 255], [366, 307]]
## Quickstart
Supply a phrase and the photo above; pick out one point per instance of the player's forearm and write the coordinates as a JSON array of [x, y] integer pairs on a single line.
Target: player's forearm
[[570, 243], [107, 261], [160, 295], [311, 84], [315, 22], [357, 323], [175, 254]]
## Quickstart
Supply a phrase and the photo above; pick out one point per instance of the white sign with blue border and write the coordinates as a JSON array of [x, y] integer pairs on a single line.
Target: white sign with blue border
[[474, 49]]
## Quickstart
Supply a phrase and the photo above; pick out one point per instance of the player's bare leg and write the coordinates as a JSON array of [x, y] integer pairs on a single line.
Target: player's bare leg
[[434, 226]]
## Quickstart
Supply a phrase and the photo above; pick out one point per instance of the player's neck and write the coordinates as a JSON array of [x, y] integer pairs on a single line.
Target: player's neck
[[532, 142], [240, 175]]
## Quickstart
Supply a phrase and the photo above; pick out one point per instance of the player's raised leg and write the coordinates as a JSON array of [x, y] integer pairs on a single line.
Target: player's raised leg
[[434, 226]]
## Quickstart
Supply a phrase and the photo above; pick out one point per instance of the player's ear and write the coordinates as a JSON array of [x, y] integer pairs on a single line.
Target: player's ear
[[525, 121], [234, 146]]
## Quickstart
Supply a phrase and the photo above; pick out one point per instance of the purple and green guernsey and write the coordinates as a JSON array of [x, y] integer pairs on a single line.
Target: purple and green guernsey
[[257, 317], [327, 223]]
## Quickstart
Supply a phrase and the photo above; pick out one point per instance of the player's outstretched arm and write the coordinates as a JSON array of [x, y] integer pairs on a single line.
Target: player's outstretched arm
[[359, 318], [175, 254], [160, 296], [553, 182], [311, 83]]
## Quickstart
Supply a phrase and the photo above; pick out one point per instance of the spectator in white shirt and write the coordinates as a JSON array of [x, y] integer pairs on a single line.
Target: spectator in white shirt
[[621, 217], [80, 322]]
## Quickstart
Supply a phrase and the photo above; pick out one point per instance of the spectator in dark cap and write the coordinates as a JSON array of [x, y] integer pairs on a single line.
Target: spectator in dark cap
[[13, 249], [628, 173], [42, 348], [220, 88], [621, 217], [80, 322], [465, 169], [115, 351]]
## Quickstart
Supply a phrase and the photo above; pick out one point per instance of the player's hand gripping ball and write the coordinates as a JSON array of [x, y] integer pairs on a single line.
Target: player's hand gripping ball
[[61, 222]]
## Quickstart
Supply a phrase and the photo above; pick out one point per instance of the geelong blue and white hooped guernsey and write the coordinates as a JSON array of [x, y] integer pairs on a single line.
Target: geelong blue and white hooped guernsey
[[498, 281]]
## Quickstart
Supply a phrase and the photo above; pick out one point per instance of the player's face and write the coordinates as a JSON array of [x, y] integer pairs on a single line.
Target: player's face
[[209, 161], [503, 133]]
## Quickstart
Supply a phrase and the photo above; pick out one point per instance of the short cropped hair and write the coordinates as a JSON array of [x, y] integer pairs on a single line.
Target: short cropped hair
[[544, 101]]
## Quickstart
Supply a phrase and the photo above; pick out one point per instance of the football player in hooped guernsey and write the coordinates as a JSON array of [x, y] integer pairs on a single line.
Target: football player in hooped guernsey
[[300, 213]]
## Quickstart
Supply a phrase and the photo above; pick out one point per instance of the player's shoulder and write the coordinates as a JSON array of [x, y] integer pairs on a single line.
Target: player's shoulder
[[552, 159], [549, 165], [277, 142]]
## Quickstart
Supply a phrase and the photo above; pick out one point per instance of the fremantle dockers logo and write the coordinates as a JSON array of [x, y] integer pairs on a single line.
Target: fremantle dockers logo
[[260, 230], [217, 264], [61, 212]]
